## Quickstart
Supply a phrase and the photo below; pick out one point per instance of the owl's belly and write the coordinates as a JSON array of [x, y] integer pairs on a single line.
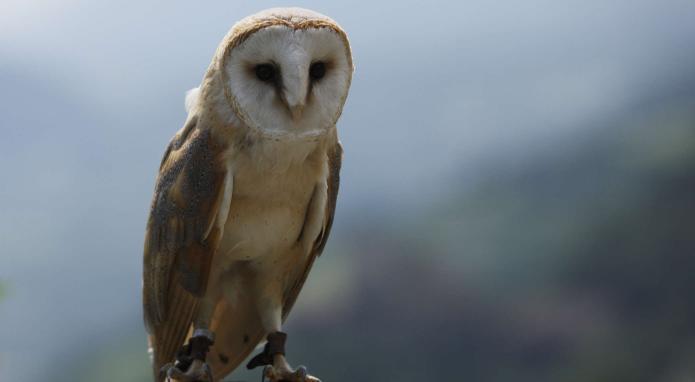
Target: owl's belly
[[257, 229], [266, 217]]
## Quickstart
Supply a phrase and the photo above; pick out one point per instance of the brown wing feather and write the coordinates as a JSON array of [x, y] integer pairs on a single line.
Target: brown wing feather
[[177, 253], [335, 158]]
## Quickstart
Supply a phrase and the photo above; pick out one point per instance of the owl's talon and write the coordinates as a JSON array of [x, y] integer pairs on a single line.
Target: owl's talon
[[190, 365], [197, 372], [164, 370], [301, 372], [285, 374], [277, 369], [208, 373]]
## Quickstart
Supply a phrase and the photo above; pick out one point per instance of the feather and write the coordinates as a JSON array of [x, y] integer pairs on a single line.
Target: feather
[[192, 99], [335, 158], [183, 233]]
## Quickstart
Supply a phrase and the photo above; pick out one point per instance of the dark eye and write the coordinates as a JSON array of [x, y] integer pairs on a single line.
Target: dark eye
[[317, 70], [265, 72]]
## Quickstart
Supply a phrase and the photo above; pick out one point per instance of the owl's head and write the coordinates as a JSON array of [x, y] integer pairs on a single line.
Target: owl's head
[[285, 72]]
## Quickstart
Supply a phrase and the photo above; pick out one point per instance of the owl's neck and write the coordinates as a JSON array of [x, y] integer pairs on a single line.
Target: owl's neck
[[277, 153]]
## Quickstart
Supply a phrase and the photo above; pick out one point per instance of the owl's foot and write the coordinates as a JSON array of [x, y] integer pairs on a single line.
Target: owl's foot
[[282, 372], [277, 369], [198, 371], [190, 363]]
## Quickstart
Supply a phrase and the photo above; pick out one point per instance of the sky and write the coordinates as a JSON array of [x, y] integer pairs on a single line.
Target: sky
[[91, 92]]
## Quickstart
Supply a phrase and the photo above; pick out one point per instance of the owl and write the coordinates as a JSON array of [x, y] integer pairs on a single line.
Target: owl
[[245, 197]]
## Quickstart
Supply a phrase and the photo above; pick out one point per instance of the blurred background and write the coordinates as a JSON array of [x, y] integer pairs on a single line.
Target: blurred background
[[517, 199]]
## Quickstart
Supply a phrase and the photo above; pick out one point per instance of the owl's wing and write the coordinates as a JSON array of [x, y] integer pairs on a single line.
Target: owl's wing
[[183, 232], [335, 157]]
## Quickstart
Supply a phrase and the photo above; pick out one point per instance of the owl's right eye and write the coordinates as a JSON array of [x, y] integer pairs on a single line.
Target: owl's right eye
[[265, 72]]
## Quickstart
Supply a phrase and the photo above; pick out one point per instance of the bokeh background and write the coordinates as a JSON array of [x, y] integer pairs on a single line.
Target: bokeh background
[[518, 196]]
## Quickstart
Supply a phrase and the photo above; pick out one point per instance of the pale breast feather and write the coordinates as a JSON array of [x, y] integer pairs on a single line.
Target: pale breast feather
[[334, 158]]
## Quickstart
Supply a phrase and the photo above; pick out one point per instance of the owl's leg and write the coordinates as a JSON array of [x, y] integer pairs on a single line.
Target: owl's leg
[[278, 369], [190, 365], [273, 355]]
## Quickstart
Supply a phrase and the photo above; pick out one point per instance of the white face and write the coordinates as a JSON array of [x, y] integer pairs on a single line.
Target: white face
[[289, 82]]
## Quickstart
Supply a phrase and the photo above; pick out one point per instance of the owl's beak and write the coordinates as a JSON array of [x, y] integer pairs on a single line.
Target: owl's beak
[[295, 89], [296, 111]]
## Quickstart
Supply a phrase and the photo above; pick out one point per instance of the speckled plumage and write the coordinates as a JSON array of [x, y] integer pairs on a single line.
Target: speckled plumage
[[246, 192]]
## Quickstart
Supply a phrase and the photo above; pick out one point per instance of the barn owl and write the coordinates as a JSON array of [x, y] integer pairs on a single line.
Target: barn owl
[[245, 197]]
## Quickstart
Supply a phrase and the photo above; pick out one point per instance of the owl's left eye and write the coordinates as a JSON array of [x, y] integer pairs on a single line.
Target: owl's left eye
[[317, 70]]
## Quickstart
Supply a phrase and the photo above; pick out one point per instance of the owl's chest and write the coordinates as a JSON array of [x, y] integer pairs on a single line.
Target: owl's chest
[[268, 208]]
